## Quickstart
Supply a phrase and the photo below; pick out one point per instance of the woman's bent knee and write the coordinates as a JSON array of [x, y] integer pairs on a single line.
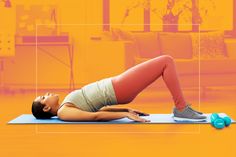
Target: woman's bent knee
[[168, 58]]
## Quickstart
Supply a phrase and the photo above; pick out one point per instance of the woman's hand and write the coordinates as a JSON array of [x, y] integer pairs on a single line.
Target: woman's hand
[[135, 117], [140, 113]]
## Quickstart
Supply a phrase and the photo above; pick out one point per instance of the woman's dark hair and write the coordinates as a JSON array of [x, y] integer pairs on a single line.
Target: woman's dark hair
[[37, 110]]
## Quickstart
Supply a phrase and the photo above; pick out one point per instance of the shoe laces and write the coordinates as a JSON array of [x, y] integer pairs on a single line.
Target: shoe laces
[[189, 106]]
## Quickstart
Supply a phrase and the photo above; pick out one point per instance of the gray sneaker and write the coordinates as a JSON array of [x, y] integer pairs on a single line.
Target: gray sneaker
[[188, 114], [188, 104]]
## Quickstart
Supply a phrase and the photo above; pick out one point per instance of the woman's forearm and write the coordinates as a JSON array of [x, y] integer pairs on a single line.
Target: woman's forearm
[[106, 116], [114, 109]]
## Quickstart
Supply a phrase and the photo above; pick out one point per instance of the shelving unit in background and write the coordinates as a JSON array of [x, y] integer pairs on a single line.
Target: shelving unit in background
[[7, 35]]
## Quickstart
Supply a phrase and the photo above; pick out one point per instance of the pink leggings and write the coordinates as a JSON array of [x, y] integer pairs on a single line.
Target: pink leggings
[[131, 82]]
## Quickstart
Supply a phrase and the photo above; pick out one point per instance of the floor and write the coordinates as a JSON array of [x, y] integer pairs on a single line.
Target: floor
[[137, 140]]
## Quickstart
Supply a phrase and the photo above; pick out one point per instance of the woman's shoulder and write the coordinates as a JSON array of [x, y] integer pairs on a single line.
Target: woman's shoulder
[[67, 105]]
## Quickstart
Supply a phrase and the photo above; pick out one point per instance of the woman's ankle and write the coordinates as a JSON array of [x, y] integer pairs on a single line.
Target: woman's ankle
[[180, 109]]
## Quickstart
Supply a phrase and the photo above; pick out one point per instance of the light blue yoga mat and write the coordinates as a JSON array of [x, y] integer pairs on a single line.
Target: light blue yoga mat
[[155, 118]]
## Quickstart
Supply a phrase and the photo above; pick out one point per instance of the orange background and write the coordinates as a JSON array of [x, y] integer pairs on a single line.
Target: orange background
[[26, 71]]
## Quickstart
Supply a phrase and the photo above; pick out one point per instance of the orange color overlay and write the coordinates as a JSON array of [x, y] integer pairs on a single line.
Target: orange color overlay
[[61, 45]]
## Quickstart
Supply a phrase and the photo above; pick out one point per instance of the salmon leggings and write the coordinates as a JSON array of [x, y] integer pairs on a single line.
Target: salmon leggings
[[131, 82]]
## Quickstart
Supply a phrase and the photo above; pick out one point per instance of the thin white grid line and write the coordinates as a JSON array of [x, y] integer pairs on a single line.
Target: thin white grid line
[[36, 66], [116, 24], [36, 128], [199, 67], [121, 132], [160, 132]]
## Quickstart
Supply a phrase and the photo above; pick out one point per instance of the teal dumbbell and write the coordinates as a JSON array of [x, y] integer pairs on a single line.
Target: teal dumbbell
[[220, 122], [217, 121], [227, 120]]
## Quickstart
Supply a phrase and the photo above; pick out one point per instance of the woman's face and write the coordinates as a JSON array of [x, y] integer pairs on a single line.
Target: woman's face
[[49, 99]]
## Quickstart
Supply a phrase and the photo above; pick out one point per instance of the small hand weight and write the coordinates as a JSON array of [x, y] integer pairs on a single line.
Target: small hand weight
[[217, 121], [220, 122], [227, 120]]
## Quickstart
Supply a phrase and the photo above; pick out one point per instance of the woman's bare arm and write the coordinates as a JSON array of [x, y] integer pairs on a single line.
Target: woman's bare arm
[[69, 113], [119, 109], [114, 109], [74, 114], [106, 116]]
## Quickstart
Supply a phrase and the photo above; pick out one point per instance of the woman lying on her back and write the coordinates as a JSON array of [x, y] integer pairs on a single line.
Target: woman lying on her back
[[95, 101]]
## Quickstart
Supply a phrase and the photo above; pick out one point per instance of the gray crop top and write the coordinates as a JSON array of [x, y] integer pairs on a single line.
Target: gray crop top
[[77, 98], [93, 96]]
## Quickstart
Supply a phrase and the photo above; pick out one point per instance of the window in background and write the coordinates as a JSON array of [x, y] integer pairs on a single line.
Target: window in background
[[219, 15], [209, 14], [172, 15]]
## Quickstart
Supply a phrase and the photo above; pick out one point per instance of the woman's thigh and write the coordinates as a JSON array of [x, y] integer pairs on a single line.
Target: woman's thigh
[[131, 82]]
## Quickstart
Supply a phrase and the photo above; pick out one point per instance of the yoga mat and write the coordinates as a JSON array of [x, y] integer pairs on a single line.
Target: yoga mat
[[155, 118]]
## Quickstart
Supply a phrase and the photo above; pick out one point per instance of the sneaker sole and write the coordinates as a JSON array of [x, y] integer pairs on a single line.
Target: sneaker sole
[[188, 119]]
